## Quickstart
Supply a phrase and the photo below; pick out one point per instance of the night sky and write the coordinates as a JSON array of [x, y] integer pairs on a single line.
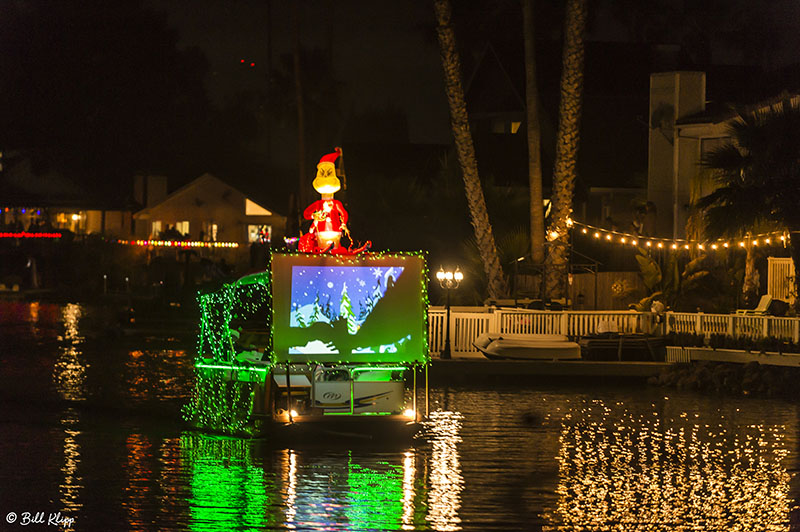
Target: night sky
[[382, 51], [196, 86]]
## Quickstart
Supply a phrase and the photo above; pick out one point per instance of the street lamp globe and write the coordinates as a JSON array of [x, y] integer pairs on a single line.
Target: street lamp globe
[[448, 280]]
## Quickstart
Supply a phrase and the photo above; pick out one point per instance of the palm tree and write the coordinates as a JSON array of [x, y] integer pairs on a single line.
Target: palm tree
[[534, 137], [758, 177], [451, 63], [564, 173]]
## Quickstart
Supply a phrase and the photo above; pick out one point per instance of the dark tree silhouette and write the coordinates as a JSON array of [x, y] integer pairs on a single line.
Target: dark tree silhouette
[[99, 90], [758, 177]]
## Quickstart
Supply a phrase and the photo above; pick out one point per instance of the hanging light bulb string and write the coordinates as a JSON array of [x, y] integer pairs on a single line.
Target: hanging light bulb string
[[619, 237]]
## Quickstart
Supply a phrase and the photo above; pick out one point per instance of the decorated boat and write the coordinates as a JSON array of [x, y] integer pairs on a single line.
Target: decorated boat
[[329, 340]]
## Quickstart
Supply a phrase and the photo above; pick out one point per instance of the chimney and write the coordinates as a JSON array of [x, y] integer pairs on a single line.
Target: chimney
[[673, 95], [149, 190]]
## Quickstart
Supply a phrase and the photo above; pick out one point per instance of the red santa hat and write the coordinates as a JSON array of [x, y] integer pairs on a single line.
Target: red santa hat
[[331, 157]]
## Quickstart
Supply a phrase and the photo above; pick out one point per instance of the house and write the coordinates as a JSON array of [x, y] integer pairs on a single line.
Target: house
[[205, 209], [684, 127], [43, 199]]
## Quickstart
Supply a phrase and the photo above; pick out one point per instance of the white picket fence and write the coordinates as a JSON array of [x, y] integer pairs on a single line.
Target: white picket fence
[[467, 323], [780, 278], [734, 325]]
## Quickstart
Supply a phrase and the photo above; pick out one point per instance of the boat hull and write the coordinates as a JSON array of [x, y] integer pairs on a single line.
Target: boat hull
[[328, 430], [527, 347]]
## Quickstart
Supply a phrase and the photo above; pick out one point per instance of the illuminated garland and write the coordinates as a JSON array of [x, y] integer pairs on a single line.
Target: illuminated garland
[[224, 390], [773, 238], [26, 234], [178, 243]]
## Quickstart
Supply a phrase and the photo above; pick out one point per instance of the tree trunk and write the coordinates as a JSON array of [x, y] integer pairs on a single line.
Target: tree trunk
[[466, 151], [749, 283], [534, 136], [564, 173], [794, 250]]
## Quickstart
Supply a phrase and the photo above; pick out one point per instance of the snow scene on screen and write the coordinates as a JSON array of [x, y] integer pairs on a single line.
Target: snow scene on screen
[[326, 294]]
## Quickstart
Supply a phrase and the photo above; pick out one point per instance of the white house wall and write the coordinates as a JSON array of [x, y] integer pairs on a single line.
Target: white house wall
[[207, 200]]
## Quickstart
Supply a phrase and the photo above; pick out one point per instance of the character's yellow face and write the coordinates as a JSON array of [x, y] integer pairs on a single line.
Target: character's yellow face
[[326, 181]]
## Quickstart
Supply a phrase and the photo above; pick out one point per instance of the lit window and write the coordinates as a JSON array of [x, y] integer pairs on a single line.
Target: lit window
[[515, 127], [182, 227], [259, 232], [210, 230], [156, 228]]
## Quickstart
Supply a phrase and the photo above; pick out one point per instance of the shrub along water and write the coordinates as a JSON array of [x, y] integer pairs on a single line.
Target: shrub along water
[[723, 341], [751, 379]]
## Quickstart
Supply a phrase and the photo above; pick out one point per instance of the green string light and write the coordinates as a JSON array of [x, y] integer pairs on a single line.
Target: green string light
[[224, 389]]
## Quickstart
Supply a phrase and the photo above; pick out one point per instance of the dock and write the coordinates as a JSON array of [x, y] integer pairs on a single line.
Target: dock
[[473, 369]]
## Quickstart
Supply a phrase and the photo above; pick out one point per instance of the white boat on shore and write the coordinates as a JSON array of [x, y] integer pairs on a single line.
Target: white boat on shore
[[527, 346]]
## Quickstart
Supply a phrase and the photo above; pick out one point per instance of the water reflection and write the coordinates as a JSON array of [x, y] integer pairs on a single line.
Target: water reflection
[[69, 370], [343, 490], [446, 481], [665, 470], [291, 489], [242, 485], [229, 488], [72, 483], [409, 474], [624, 459], [156, 374]]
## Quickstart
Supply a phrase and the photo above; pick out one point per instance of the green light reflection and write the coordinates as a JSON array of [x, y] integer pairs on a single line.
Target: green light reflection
[[376, 496], [228, 490]]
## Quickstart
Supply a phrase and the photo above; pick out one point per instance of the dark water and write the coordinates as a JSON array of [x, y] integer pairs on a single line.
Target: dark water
[[89, 427]]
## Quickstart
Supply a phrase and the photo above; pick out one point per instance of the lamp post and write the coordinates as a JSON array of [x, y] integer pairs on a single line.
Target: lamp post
[[448, 280]]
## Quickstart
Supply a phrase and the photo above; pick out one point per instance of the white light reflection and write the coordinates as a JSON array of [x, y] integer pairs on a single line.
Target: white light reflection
[[291, 491], [625, 471], [409, 472], [446, 482], [72, 484], [71, 314], [69, 371]]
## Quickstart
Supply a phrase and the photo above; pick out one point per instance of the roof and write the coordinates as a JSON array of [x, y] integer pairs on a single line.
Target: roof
[[23, 185], [188, 187], [716, 113]]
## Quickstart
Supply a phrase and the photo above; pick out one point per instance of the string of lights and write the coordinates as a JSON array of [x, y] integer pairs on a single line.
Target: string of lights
[[220, 402], [774, 238], [178, 243], [26, 234]]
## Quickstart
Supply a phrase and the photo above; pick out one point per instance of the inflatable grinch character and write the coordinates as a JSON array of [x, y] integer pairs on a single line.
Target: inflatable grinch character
[[328, 216]]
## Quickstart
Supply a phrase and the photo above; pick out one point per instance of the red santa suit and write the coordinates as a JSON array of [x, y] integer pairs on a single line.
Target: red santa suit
[[334, 216]]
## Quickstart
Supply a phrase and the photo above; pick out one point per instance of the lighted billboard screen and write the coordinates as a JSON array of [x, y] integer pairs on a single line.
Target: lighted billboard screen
[[348, 309]]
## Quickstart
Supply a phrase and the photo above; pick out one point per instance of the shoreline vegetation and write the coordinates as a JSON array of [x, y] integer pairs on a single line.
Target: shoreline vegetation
[[731, 379]]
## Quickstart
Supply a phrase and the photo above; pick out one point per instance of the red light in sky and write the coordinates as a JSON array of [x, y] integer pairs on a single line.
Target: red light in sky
[[252, 64]]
